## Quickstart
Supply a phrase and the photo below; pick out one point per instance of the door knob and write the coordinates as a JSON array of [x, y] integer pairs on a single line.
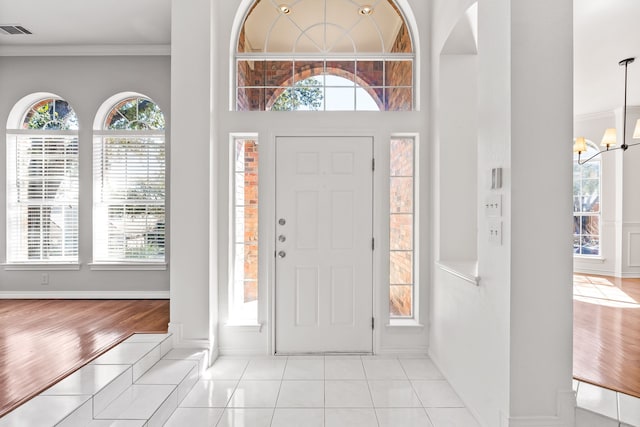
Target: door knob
[[282, 221], [282, 254], [282, 238]]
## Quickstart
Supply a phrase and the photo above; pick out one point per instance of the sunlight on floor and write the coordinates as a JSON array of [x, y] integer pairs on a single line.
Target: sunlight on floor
[[601, 291]]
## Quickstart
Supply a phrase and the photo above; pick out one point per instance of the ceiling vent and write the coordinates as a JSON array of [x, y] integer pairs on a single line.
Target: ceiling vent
[[13, 30]]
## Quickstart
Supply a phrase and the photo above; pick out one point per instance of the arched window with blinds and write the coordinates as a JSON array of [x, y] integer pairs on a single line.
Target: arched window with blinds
[[42, 182], [129, 183]]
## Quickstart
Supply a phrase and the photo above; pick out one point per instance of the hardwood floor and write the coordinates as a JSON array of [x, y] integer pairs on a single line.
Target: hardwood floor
[[43, 341], [606, 332]]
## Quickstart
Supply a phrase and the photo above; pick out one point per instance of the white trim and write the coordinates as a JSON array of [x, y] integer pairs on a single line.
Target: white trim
[[244, 327], [630, 262], [128, 266], [403, 323], [566, 401], [588, 258], [177, 330], [42, 133], [395, 351], [41, 267], [595, 116], [84, 295], [87, 50]]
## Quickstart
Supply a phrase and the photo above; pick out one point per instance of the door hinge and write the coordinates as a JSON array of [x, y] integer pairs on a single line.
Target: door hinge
[[373, 244], [373, 322], [373, 164]]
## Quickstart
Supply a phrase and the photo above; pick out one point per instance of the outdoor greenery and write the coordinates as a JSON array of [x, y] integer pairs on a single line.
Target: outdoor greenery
[[307, 94]]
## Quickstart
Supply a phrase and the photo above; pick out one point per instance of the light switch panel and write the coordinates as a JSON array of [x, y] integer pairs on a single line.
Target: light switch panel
[[493, 205], [495, 232]]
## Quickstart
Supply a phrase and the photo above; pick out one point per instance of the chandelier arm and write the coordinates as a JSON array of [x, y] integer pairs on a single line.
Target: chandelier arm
[[582, 162]]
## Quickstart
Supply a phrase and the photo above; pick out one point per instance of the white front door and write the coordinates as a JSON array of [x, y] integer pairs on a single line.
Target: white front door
[[324, 205]]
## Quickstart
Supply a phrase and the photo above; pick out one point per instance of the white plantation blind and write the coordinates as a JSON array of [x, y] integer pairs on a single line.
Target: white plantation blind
[[129, 192], [42, 197]]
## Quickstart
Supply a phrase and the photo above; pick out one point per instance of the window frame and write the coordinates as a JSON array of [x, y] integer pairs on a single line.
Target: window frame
[[18, 255], [100, 135], [413, 318], [238, 311], [591, 147]]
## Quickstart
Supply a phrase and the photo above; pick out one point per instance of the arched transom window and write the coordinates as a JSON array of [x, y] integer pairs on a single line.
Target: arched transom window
[[324, 55]]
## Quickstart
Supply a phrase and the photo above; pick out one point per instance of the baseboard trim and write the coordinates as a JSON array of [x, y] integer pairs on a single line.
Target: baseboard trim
[[395, 351], [565, 418], [84, 295], [179, 341]]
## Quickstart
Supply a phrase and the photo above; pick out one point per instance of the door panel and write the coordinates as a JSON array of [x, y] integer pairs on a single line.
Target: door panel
[[323, 243]]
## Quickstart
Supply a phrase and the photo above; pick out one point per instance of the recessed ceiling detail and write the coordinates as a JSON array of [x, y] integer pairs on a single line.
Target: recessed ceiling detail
[[321, 27], [13, 30]]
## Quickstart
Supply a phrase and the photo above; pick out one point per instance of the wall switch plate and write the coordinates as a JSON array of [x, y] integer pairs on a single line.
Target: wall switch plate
[[495, 232], [496, 178], [493, 205]]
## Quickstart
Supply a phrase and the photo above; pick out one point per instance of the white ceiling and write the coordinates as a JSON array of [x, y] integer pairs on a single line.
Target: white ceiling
[[606, 31]]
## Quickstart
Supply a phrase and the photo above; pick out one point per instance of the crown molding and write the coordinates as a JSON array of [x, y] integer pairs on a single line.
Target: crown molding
[[87, 50]]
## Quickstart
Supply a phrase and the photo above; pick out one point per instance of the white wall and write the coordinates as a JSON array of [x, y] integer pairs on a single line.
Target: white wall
[[85, 82], [505, 345], [193, 317]]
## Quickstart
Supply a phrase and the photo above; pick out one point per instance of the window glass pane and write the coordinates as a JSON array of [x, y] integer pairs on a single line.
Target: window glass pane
[[365, 101], [305, 69], [591, 170], [399, 73], [129, 184], [371, 72], [340, 99], [278, 73], [243, 286], [251, 73], [42, 193], [346, 69], [401, 268], [399, 99], [401, 301], [52, 114], [401, 232], [401, 196], [401, 227], [401, 157]]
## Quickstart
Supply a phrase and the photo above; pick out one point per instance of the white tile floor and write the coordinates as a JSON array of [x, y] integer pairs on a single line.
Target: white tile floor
[[600, 407], [322, 391], [143, 383]]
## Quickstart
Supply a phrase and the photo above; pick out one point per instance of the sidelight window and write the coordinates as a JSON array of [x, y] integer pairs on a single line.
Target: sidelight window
[[401, 228], [243, 293]]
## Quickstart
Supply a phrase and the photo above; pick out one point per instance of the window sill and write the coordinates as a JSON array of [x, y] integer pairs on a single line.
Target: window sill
[[465, 270], [403, 323], [590, 258], [128, 266], [244, 326], [41, 267]]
